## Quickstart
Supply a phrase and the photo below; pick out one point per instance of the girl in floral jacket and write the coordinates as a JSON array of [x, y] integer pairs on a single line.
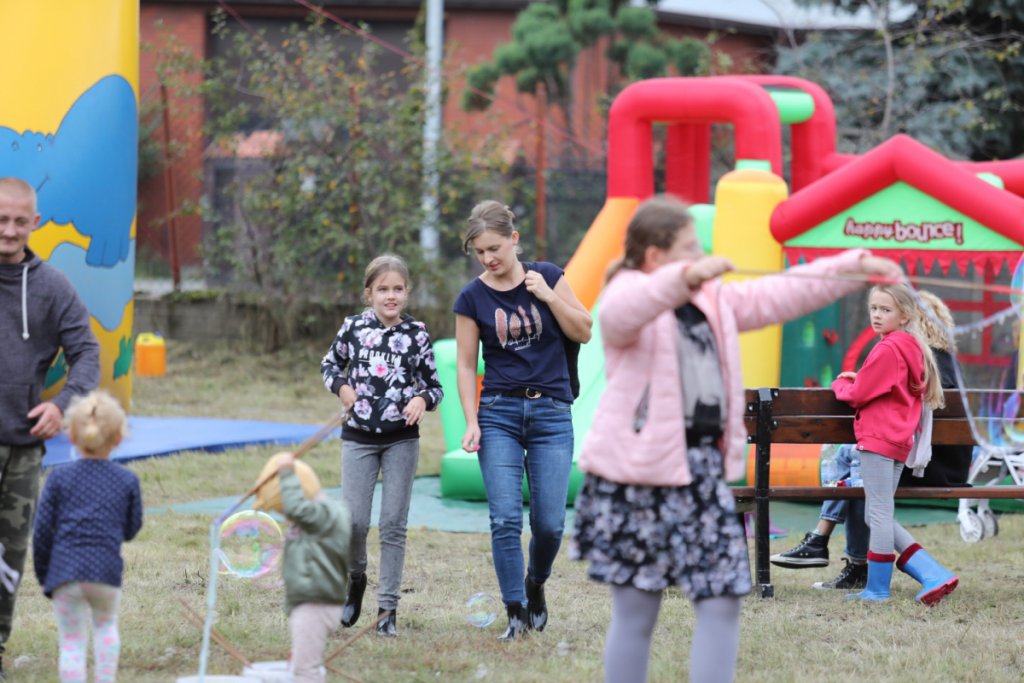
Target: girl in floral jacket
[[381, 365]]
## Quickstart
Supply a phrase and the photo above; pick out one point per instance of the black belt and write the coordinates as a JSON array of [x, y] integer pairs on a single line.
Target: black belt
[[696, 437], [522, 392]]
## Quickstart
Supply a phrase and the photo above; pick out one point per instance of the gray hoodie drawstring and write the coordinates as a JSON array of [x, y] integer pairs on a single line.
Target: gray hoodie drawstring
[[24, 302]]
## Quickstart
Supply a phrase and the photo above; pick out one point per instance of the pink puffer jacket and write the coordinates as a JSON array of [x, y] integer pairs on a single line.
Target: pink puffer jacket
[[640, 337]]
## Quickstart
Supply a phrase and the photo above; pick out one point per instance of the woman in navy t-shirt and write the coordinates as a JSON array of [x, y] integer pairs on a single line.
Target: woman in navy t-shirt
[[522, 313]]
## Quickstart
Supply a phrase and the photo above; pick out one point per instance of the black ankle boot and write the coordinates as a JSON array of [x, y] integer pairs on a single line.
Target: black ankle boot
[[517, 622], [388, 626], [354, 601], [536, 607]]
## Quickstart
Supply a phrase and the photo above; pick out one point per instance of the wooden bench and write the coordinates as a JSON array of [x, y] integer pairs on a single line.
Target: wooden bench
[[815, 416]]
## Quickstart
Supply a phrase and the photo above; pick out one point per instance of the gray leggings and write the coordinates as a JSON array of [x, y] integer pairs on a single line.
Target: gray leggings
[[360, 465], [881, 477], [716, 637]]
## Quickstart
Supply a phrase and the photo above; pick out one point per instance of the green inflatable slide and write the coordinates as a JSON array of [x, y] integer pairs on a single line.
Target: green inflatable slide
[[460, 471]]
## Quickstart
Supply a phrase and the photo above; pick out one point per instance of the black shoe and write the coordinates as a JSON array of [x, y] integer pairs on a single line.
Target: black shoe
[[388, 626], [853, 576], [811, 552], [536, 607], [517, 622], [354, 601]]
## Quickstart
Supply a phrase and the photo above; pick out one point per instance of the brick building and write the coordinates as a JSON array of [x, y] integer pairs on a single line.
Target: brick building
[[472, 28]]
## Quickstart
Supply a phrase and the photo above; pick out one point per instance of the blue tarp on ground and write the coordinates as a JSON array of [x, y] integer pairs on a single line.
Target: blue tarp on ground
[[151, 436]]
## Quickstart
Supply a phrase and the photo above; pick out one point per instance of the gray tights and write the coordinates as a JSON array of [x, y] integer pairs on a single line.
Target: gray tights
[[881, 477], [716, 637], [396, 463]]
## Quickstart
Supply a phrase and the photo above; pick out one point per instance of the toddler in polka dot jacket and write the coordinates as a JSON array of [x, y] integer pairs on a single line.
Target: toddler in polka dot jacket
[[87, 510]]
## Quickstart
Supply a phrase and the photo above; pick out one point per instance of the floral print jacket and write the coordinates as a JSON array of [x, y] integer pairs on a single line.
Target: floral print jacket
[[387, 367]]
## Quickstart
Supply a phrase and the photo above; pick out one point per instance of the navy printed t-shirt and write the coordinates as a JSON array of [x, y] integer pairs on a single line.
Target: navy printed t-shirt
[[523, 345]]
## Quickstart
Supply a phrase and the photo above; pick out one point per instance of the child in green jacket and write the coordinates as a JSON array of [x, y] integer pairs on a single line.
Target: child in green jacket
[[316, 559]]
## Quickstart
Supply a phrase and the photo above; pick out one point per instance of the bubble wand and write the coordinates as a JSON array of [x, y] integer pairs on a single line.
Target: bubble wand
[[211, 592]]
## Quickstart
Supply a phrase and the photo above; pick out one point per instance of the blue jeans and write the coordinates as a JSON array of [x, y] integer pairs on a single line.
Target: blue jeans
[[850, 512], [534, 435]]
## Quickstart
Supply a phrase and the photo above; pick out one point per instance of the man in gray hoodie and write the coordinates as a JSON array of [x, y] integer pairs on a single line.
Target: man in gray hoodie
[[40, 313]]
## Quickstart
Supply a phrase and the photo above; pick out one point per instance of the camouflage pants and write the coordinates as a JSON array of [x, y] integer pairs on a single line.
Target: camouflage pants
[[20, 468]]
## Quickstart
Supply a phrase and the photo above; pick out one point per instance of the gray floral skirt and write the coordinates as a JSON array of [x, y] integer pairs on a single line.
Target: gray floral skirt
[[653, 537]]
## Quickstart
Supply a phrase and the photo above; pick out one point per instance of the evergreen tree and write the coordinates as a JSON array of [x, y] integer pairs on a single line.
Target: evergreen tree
[[547, 38], [951, 76]]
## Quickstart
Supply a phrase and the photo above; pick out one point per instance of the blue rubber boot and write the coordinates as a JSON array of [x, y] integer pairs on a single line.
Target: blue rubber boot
[[879, 578], [937, 582]]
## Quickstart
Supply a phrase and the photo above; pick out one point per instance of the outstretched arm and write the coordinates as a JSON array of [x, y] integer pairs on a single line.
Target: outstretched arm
[[633, 301], [801, 289]]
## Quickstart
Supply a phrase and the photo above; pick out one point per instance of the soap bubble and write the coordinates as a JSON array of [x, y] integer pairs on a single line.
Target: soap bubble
[[481, 610], [251, 543]]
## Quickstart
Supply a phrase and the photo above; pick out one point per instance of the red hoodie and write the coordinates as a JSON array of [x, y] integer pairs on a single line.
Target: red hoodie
[[888, 406]]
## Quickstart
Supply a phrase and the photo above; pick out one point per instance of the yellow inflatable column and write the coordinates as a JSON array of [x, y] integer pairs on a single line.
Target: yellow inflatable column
[[69, 127], [744, 201]]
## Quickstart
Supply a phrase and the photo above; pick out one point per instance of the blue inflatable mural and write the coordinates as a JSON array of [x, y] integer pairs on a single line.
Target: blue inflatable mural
[[85, 172], [69, 127]]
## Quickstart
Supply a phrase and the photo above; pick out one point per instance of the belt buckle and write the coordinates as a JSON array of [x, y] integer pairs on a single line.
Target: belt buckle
[[532, 393]]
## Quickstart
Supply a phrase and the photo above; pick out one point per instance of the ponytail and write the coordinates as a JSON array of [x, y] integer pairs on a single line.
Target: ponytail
[[97, 423]]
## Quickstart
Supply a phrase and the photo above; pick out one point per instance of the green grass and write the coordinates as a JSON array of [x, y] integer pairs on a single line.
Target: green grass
[[800, 635]]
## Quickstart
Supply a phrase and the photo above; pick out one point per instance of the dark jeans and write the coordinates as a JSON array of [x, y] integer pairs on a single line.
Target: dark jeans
[[534, 435], [850, 512]]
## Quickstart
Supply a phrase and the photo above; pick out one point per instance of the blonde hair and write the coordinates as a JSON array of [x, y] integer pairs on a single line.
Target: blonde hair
[[931, 383], [16, 187], [488, 216], [96, 423], [268, 497], [656, 223], [936, 322], [386, 263]]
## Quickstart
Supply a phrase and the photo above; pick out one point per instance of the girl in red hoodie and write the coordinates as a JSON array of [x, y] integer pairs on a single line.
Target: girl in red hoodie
[[897, 377]]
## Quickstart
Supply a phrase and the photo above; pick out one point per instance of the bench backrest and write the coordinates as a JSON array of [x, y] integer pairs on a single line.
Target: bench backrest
[[816, 416]]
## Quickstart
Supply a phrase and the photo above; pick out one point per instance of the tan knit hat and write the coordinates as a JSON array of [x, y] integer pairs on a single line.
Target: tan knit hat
[[269, 495]]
